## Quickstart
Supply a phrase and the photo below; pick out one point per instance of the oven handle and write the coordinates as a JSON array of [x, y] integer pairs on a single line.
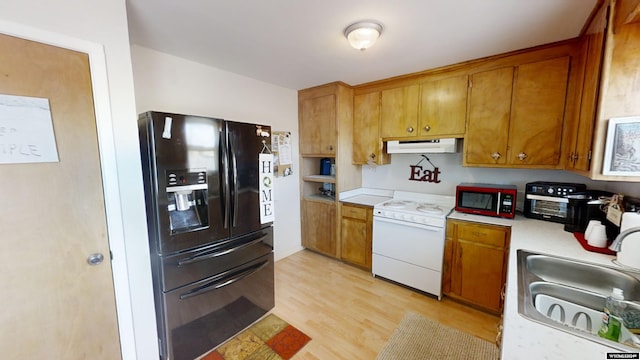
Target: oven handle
[[209, 255], [222, 280], [405, 223], [547, 198]]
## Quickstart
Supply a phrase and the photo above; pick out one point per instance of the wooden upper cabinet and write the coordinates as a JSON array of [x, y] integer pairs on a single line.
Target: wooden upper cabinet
[[443, 107], [581, 131], [399, 112], [516, 115], [537, 113], [317, 121], [367, 142], [489, 115]]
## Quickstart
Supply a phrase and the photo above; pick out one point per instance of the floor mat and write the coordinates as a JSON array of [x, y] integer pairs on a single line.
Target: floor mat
[[269, 339], [420, 338]]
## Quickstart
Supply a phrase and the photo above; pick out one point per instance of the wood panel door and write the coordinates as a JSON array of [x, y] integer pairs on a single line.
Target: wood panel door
[[478, 275], [489, 116], [55, 305], [582, 133], [537, 113], [367, 143], [319, 226], [318, 126], [356, 233], [443, 107], [399, 112]]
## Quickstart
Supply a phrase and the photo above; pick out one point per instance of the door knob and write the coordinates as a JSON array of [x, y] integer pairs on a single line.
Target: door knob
[[95, 259]]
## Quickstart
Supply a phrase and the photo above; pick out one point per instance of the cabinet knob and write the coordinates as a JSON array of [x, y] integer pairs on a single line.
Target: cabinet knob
[[330, 147], [496, 155], [427, 128], [372, 155], [95, 259], [409, 129], [522, 156]]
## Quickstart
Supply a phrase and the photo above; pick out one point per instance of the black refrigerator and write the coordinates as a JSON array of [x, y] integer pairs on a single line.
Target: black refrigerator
[[211, 254]]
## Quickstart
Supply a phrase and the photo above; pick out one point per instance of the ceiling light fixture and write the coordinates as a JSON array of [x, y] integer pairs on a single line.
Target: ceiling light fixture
[[363, 34]]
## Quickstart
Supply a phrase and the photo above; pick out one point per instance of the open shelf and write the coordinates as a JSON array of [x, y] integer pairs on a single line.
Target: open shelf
[[320, 178]]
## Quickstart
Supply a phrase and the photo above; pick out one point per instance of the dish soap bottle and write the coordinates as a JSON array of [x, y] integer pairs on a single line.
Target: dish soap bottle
[[611, 319]]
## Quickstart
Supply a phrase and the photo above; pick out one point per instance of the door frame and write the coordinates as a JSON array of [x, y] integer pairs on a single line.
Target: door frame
[[108, 166]]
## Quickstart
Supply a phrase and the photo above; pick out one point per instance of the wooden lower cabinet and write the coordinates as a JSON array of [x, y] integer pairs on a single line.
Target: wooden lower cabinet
[[319, 226], [475, 263], [356, 227]]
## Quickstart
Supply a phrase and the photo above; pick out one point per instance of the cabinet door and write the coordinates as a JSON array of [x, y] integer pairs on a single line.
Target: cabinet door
[[594, 43], [356, 234], [399, 112], [319, 226], [443, 107], [537, 113], [367, 143], [478, 273], [489, 114], [318, 126]]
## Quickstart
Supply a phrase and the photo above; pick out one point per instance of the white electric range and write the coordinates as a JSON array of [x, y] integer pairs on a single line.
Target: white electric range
[[408, 239]]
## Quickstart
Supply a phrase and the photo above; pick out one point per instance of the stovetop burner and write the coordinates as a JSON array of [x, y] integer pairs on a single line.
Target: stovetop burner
[[429, 208], [416, 207], [398, 204]]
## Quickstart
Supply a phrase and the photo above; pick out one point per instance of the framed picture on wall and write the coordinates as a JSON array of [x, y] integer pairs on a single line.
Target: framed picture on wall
[[622, 147]]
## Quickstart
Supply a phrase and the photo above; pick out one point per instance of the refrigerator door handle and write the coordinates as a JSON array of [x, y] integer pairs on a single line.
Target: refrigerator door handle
[[234, 168], [226, 193], [222, 280], [209, 255]]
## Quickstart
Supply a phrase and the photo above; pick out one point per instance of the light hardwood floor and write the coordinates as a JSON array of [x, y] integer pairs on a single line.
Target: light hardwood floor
[[349, 314]]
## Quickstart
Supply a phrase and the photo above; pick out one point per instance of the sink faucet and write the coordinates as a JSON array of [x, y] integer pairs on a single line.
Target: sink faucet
[[616, 245]]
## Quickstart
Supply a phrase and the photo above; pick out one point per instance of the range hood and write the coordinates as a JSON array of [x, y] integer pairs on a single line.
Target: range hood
[[422, 146]]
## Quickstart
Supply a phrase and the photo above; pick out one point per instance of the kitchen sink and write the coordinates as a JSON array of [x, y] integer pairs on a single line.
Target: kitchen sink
[[596, 278], [570, 295]]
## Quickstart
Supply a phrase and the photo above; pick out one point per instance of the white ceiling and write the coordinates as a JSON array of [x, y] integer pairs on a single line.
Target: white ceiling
[[300, 43]]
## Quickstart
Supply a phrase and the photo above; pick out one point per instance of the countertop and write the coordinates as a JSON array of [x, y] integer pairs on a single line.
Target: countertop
[[366, 196], [524, 338]]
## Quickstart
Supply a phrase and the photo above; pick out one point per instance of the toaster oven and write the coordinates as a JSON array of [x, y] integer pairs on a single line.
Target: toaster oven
[[549, 201]]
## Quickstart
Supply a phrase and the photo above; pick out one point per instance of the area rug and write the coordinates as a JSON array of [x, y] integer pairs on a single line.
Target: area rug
[[420, 338], [271, 338]]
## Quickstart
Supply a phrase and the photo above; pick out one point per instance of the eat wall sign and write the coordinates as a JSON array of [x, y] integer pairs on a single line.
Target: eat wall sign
[[419, 173]]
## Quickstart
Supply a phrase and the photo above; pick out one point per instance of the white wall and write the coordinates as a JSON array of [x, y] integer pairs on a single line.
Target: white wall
[[171, 84], [104, 22], [396, 176]]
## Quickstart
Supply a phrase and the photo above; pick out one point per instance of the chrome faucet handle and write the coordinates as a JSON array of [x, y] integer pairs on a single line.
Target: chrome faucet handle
[[616, 245]]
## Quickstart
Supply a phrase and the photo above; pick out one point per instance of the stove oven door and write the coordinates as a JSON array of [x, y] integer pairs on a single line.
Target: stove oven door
[[408, 253]]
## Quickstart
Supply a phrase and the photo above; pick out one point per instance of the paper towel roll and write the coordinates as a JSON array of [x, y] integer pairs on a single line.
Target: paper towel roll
[[629, 254]]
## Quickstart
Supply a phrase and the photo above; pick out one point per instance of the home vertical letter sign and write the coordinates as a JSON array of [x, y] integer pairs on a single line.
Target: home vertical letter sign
[[266, 187]]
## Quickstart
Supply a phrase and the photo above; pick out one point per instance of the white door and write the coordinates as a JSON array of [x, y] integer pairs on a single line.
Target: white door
[[55, 305]]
